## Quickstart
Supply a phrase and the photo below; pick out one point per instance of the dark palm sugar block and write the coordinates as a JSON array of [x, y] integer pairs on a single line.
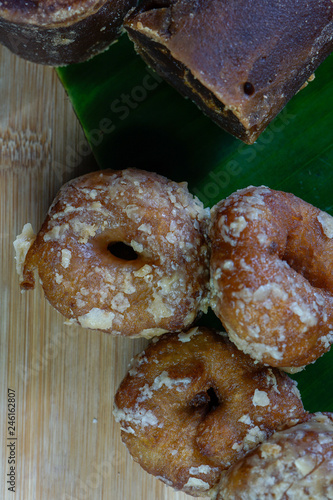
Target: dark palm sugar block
[[61, 32], [240, 61]]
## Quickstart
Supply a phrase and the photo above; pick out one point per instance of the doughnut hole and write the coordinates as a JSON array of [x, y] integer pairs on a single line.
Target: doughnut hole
[[204, 402], [192, 404], [122, 251]]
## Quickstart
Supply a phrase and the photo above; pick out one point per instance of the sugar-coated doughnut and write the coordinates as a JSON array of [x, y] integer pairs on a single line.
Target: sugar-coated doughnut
[[192, 404], [124, 252], [272, 275], [294, 464]]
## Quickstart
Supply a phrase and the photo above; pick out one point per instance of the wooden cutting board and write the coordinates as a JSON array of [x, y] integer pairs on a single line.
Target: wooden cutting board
[[66, 445]]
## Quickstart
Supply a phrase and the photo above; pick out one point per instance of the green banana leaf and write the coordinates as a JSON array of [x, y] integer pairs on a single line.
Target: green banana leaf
[[132, 118]]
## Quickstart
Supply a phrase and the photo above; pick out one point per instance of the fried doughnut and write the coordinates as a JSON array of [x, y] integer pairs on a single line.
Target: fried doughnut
[[296, 463], [271, 275], [123, 252], [192, 404]]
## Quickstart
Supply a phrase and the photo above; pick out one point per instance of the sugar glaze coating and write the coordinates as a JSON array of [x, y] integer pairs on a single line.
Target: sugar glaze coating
[[192, 404], [162, 287], [293, 464], [272, 275]]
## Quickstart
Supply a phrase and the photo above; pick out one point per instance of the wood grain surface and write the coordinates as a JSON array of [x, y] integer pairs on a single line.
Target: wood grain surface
[[67, 444]]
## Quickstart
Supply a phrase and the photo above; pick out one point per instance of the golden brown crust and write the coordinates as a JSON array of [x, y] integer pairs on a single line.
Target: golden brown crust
[[61, 32], [192, 404], [239, 62], [162, 287], [294, 464], [272, 275]]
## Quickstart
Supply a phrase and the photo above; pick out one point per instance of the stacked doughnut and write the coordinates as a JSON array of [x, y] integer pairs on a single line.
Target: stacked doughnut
[[135, 254], [192, 405], [128, 253], [294, 463], [204, 418], [271, 275], [124, 252], [200, 414]]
